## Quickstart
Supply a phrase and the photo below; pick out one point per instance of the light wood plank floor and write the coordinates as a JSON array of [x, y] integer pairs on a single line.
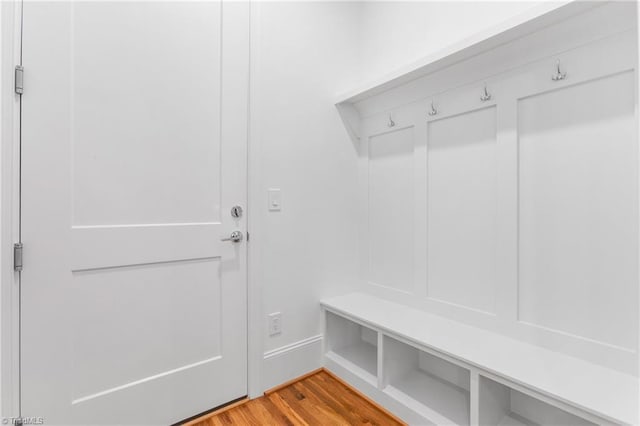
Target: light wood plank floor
[[318, 399]]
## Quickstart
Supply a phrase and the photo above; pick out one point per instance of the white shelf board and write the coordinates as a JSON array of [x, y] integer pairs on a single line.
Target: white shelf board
[[534, 19], [372, 391], [593, 388], [435, 399], [512, 420], [362, 355]]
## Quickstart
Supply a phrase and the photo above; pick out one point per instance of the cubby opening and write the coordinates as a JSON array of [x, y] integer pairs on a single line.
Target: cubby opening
[[501, 405], [353, 345], [429, 385]]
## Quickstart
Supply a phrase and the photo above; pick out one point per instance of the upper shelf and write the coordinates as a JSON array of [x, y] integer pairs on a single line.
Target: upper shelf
[[533, 20]]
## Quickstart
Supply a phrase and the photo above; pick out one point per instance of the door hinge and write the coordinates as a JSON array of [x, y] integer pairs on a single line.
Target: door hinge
[[17, 257], [19, 79]]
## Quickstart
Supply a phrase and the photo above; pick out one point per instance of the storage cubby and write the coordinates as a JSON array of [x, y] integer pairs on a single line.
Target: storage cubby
[[429, 385], [353, 345], [501, 405]]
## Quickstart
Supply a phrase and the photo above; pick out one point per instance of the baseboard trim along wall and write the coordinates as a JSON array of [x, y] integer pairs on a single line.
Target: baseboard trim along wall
[[290, 361]]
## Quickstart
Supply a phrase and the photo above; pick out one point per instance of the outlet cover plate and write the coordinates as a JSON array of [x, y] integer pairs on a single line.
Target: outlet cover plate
[[275, 323]]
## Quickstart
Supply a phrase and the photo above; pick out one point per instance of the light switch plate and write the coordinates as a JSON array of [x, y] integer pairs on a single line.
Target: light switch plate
[[275, 323], [275, 199]]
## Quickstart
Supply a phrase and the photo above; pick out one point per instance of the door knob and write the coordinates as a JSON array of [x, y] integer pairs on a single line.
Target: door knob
[[236, 237]]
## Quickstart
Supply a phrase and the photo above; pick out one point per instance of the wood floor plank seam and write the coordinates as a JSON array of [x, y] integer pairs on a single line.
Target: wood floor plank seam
[[317, 398], [388, 413], [292, 381], [351, 409]]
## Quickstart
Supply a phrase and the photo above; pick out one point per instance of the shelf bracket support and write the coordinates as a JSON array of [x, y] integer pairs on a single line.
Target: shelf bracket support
[[351, 120]]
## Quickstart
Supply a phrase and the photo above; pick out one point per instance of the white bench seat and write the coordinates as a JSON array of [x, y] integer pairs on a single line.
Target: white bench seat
[[597, 390]]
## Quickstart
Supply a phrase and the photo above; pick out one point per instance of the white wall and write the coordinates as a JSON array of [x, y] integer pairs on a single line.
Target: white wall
[[303, 54], [486, 262], [396, 33]]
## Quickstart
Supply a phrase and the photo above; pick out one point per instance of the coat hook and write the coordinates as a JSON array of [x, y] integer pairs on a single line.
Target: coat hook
[[486, 96], [559, 75], [433, 110], [391, 123]]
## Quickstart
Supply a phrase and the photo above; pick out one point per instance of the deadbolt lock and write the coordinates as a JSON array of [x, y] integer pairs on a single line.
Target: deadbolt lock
[[236, 211]]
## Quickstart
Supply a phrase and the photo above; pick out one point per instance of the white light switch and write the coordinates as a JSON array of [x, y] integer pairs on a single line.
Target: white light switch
[[275, 199], [275, 323]]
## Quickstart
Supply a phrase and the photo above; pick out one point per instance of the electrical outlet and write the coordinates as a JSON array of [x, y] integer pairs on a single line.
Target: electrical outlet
[[275, 323]]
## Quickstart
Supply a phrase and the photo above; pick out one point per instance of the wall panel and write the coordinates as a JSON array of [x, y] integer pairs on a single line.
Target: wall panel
[[461, 206], [518, 213], [391, 209], [578, 210]]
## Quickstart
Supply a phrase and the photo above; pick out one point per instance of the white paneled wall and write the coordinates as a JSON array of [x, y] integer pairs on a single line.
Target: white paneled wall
[[578, 210], [305, 53], [461, 209], [390, 207], [517, 213]]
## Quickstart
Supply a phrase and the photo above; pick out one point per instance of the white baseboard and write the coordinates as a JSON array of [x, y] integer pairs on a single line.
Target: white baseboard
[[290, 361]]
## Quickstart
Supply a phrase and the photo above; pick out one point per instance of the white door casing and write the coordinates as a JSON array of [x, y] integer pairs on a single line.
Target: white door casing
[[134, 150]]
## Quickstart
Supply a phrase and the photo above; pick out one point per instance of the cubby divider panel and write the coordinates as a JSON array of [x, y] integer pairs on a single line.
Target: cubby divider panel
[[353, 345], [501, 405], [429, 385]]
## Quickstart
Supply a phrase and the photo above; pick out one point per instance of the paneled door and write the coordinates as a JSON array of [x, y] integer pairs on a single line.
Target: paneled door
[[134, 152]]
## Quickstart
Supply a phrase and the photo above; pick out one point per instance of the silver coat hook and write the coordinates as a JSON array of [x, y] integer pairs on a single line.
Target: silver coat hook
[[486, 96], [433, 110], [391, 123], [559, 75]]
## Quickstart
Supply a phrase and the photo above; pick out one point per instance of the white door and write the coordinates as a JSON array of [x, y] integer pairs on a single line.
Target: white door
[[133, 152]]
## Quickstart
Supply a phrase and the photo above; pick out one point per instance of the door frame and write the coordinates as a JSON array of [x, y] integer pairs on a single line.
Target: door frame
[[10, 105], [10, 34], [255, 220]]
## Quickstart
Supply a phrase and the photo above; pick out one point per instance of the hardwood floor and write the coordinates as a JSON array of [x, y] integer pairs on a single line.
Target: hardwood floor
[[318, 399]]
